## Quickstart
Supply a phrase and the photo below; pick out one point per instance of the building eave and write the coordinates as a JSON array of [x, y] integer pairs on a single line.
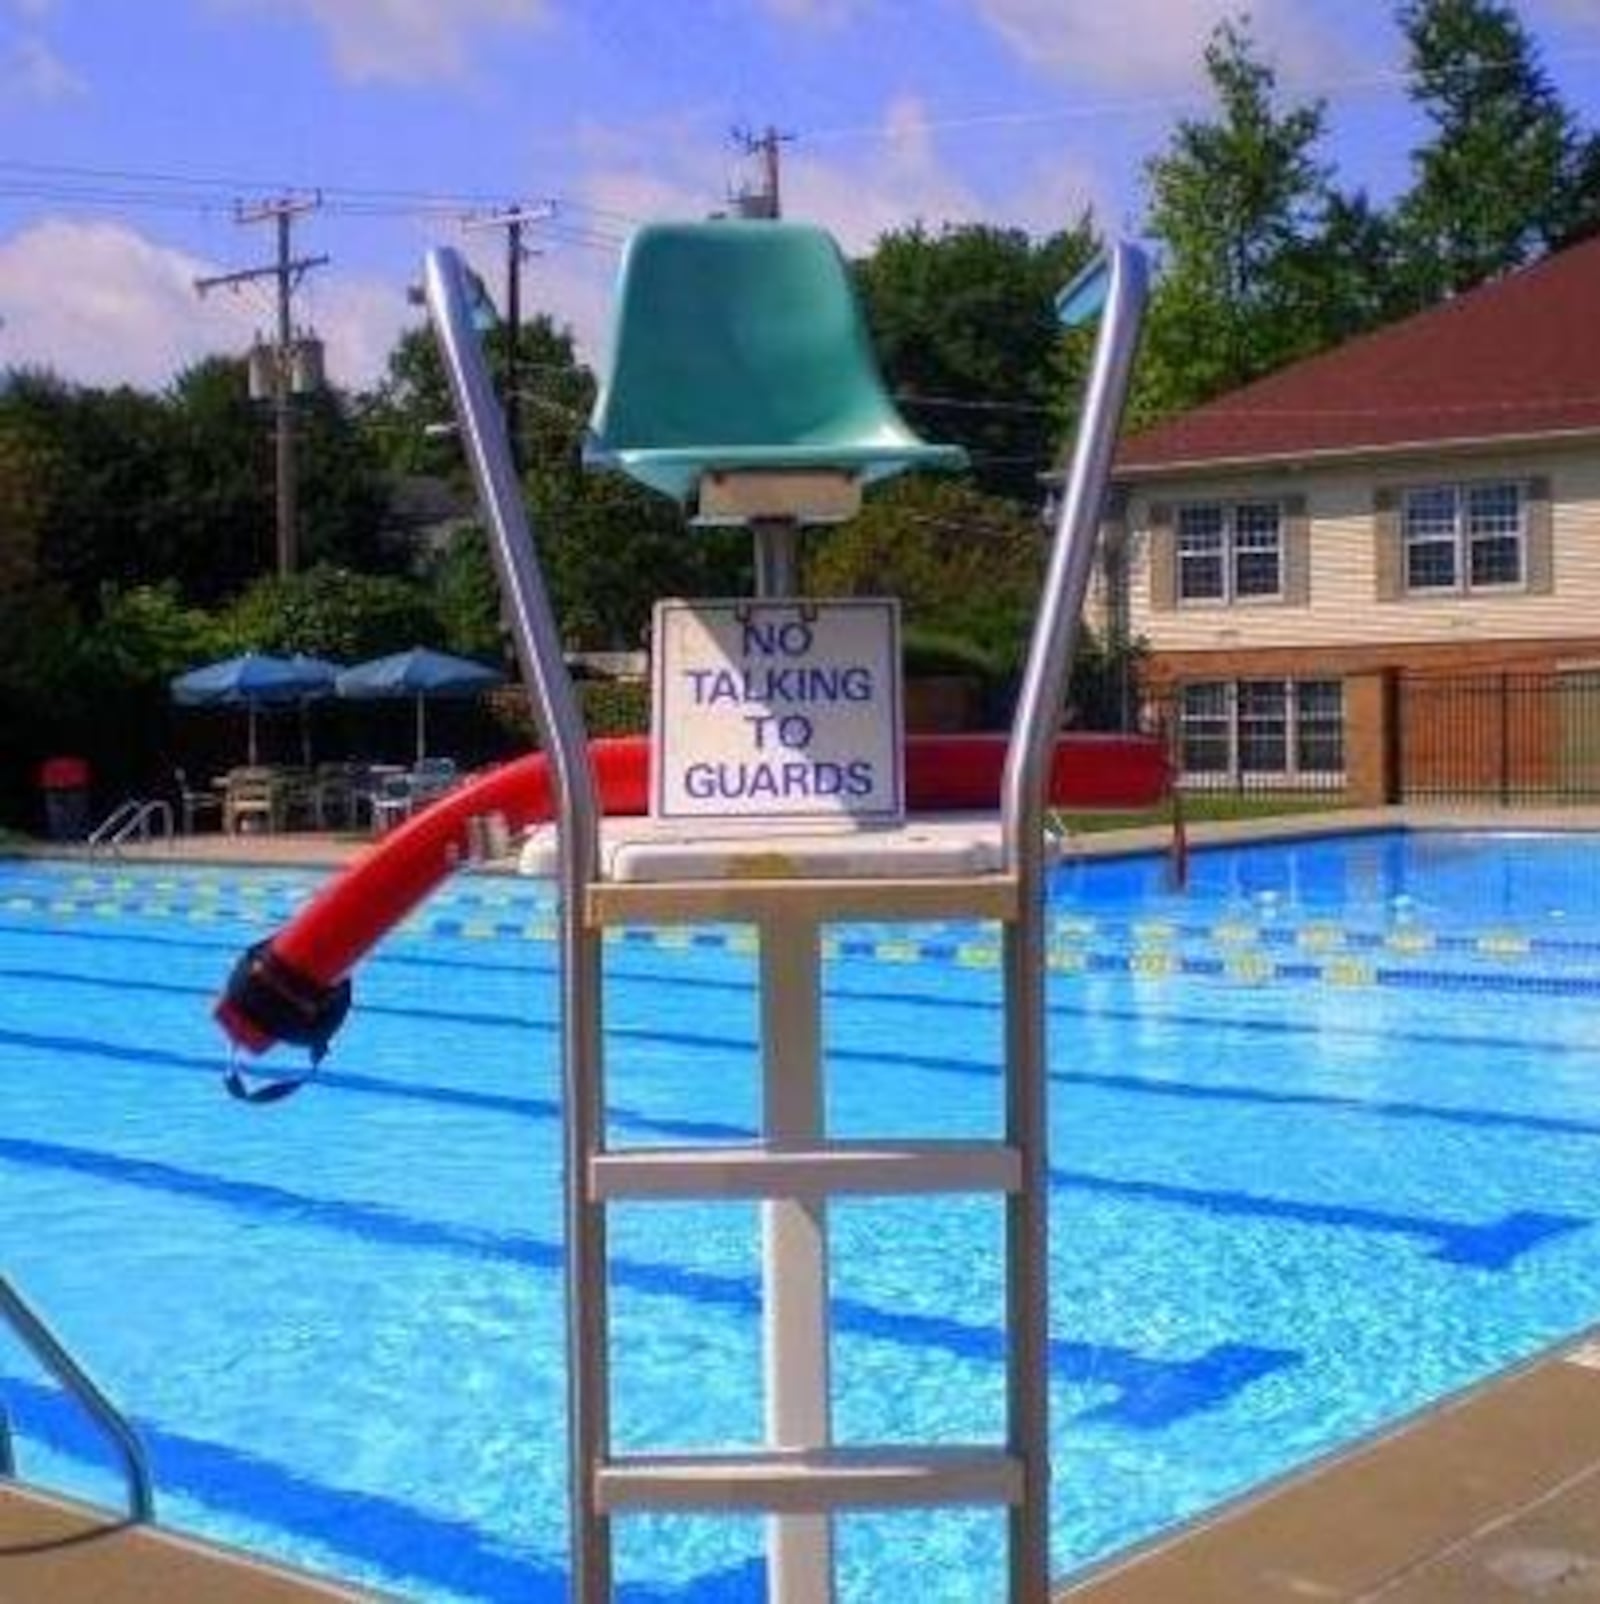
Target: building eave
[[1460, 445]]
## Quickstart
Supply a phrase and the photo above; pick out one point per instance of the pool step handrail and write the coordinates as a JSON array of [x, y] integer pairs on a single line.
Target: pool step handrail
[[134, 819], [52, 1353], [803, 1480]]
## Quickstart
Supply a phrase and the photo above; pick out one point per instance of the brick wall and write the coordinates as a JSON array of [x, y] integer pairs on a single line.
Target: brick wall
[[1494, 721]]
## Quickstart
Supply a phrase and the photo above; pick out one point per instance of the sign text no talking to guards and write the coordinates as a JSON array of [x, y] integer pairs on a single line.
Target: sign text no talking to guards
[[780, 709]]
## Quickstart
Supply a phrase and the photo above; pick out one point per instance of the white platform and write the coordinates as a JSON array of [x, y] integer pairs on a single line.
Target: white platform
[[648, 850]]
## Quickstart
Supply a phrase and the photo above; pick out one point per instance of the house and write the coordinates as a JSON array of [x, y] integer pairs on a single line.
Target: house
[[1307, 559]]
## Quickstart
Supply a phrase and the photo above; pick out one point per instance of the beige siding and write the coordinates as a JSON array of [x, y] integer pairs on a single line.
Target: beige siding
[[1344, 610]]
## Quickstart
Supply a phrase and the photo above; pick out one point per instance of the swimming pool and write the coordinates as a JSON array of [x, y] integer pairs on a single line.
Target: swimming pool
[[1324, 1134]]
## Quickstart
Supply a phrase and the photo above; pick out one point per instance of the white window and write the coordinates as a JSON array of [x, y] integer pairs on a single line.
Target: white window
[[1285, 732], [1230, 551], [1464, 537]]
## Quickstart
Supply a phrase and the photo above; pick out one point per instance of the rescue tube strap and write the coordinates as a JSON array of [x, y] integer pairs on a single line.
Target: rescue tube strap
[[285, 1006]]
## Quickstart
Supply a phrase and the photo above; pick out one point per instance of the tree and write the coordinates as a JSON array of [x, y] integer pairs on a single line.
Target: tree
[[965, 328], [966, 566], [331, 612], [1500, 181], [219, 499], [1242, 210]]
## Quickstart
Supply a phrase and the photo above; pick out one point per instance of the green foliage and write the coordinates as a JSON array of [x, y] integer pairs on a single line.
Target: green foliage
[[965, 328], [554, 395], [145, 635], [615, 707], [927, 653], [611, 549], [1500, 181], [466, 596], [1238, 204], [331, 612], [965, 565]]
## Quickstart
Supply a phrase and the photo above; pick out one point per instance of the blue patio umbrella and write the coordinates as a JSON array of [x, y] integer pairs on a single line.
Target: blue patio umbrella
[[252, 681], [420, 673]]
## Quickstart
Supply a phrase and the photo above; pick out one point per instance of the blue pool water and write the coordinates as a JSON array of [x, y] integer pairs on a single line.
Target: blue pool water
[[1325, 1144]]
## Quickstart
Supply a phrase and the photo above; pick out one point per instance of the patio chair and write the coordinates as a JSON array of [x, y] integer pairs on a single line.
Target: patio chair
[[431, 777], [195, 806], [391, 800], [253, 801]]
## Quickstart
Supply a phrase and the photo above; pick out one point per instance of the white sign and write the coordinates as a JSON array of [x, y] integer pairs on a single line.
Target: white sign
[[778, 710]]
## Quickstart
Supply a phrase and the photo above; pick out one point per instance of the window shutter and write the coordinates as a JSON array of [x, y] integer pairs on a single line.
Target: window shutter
[[1296, 552], [1163, 558], [1540, 553], [1388, 557]]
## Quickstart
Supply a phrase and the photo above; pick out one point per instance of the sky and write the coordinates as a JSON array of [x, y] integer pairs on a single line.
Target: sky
[[132, 132]]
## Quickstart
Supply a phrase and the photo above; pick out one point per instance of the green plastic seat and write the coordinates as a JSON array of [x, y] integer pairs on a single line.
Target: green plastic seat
[[739, 345]]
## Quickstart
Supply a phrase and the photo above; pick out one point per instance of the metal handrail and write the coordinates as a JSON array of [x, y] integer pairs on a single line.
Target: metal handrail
[[1119, 281], [103, 832], [561, 733], [1115, 286], [129, 819], [48, 1349]]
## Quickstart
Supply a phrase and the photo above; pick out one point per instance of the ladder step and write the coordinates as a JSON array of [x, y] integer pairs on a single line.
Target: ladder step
[[810, 1481], [808, 1169]]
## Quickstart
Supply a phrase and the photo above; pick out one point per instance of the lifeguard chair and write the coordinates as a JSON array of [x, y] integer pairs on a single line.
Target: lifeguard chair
[[743, 385]]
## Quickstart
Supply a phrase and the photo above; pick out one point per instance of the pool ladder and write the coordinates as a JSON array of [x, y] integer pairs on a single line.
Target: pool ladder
[[801, 1478], [51, 1352], [133, 820]]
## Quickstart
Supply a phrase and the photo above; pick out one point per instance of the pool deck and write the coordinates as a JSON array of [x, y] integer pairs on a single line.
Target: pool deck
[[54, 1551], [1491, 1497], [310, 850]]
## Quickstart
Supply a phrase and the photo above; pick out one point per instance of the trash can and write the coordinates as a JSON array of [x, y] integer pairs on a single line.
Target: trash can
[[64, 781]]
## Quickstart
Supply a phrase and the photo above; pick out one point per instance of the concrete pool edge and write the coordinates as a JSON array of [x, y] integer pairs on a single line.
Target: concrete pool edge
[[68, 1552], [1490, 1494]]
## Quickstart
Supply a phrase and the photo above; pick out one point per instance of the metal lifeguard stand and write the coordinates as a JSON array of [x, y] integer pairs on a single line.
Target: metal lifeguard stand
[[743, 384]]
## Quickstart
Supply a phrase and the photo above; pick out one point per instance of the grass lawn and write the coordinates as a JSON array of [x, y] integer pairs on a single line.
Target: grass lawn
[[1204, 806]]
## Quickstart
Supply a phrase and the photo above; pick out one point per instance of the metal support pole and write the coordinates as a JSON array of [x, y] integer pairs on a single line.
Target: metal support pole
[[777, 554]]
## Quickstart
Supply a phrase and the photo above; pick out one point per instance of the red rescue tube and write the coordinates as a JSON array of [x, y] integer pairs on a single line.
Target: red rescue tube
[[293, 986]]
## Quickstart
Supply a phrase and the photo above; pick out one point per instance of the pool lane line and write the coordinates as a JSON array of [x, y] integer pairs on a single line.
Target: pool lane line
[[936, 1064], [835, 993], [408, 1544], [1158, 948], [1493, 1244], [1251, 971], [1152, 1392]]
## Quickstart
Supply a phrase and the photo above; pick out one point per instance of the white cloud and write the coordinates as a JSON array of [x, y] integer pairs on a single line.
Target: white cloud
[[100, 303], [1152, 44], [31, 70], [883, 178], [406, 41]]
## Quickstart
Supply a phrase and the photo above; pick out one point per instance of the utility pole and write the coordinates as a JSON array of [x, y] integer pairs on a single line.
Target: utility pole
[[513, 219], [765, 200], [294, 365]]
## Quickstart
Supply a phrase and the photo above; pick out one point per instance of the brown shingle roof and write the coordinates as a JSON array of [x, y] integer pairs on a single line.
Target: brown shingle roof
[[1515, 358]]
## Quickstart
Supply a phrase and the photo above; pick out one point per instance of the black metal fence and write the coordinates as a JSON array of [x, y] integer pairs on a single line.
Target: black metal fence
[[1504, 738]]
